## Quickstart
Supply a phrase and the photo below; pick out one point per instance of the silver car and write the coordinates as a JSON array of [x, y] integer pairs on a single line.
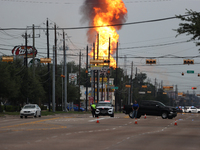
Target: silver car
[[30, 110]]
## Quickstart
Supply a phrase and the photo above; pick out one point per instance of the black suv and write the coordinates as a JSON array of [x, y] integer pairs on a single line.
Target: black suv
[[154, 108]]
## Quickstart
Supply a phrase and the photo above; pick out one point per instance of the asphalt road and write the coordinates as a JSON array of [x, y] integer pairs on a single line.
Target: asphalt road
[[80, 131]]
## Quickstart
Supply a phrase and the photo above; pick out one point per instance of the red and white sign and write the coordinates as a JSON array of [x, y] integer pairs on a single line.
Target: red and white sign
[[91, 100], [21, 51]]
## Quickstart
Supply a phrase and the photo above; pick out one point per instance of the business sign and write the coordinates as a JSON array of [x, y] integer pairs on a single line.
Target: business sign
[[73, 78], [21, 51], [141, 92]]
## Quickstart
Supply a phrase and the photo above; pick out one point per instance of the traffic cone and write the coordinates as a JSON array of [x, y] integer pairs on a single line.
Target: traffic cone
[[97, 120], [175, 123], [145, 116], [135, 121]]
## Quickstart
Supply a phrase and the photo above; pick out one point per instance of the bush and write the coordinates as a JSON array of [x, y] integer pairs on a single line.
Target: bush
[[43, 107], [10, 108], [1, 110], [59, 108]]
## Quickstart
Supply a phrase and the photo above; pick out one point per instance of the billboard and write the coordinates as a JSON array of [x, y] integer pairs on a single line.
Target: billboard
[[21, 51]]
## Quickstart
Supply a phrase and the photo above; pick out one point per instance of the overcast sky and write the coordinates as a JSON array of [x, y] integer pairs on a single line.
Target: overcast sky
[[134, 40]]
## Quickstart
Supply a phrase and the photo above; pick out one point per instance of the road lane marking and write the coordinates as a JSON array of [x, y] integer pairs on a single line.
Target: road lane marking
[[38, 122]]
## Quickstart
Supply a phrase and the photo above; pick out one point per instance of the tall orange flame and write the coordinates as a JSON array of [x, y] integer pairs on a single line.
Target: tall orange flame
[[104, 13]]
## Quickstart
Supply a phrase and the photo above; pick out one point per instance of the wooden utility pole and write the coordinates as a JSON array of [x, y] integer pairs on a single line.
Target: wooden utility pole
[[65, 73], [55, 48], [116, 83], [131, 96], [86, 103], [97, 70], [49, 90], [79, 81], [108, 72], [26, 60], [33, 64]]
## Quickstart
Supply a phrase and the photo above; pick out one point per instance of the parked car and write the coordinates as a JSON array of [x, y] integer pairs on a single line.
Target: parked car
[[179, 109], [30, 110], [75, 108], [154, 108], [192, 110]]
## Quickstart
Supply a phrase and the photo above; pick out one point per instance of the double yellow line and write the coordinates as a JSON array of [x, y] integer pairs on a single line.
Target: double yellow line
[[34, 123]]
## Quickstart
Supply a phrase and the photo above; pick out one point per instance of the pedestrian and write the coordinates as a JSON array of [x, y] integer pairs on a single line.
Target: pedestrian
[[93, 109], [135, 108]]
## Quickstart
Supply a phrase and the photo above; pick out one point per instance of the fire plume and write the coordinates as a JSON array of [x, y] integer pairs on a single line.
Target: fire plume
[[104, 14]]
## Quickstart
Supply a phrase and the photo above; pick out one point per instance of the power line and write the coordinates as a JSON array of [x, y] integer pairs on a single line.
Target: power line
[[88, 27]]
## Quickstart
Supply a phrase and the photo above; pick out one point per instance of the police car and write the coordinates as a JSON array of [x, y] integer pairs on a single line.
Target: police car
[[104, 108]]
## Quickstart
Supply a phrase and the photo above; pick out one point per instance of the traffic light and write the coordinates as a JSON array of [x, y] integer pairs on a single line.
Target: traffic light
[[7, 58], [45, 60], [198, 74], [150, 61], [194, 88], [182, 74], [188, 61]]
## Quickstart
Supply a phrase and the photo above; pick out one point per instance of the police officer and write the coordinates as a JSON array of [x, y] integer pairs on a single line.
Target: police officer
[[93, 108]]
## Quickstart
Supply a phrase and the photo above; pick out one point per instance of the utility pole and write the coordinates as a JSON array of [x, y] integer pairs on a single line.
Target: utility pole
[[55, 47], [49, 98], [26, 60], [155, 88], [34, 51], [131, 96], [108, 71], [86, 104], [97, 70], [116, 92], [65, 72], [79, 81], [94, 71], [53, 86]]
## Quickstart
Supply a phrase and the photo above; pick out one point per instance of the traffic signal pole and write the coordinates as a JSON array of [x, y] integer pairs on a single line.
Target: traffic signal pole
[[94, 73]]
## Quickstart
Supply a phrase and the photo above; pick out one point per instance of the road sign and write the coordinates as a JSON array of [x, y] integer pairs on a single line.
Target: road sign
[[144, 86], [167, 88], [114, 87], [128, 86], [190, 71], [96, 67], [96, 61]]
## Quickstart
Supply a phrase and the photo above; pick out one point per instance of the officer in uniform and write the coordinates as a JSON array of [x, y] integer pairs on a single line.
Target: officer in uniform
[[93, 109]]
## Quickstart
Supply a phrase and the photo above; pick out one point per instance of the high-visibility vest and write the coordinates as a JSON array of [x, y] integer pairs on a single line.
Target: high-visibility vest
[[93, 106]]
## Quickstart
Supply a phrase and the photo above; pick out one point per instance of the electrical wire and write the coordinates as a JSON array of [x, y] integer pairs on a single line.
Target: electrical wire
[[104, 26]]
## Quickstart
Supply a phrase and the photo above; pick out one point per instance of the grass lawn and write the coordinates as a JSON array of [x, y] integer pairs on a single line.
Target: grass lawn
[[45, 113]]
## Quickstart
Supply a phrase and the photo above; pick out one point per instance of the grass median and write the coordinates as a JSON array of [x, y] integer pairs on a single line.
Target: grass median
[[45, 113]]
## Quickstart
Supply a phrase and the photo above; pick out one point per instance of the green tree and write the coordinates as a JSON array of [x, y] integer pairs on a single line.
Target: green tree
[[191, 25]]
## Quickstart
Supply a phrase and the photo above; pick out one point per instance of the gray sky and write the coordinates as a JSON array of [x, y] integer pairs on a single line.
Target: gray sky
[[66, 13]]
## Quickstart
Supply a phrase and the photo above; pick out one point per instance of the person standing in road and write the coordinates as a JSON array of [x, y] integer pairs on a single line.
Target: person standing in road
[[135, 108], [93, 109]]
